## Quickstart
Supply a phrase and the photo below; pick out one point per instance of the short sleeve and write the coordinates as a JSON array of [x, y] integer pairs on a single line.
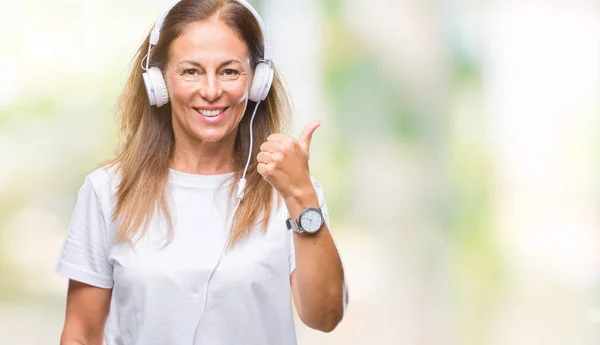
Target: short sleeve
[[323, 206], [84, 253]]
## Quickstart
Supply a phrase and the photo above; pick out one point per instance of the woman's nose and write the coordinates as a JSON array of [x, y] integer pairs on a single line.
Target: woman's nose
[[211, 89]]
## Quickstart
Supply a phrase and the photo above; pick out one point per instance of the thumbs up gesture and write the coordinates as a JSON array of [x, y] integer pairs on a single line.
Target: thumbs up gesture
[[283, 161]]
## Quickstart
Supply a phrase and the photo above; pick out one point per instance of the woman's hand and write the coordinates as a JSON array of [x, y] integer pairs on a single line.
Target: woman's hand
[[283, 162]]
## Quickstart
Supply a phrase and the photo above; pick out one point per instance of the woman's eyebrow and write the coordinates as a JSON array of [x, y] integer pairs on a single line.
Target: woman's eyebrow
[[199, 65]]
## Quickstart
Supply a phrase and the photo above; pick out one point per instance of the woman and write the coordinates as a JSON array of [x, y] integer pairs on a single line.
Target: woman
[[184, 238]]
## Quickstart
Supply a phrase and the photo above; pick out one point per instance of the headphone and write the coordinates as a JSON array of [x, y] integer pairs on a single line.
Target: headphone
[[156, 89]]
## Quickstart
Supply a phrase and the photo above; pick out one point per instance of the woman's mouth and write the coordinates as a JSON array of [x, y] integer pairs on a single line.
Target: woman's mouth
[[212, 115]]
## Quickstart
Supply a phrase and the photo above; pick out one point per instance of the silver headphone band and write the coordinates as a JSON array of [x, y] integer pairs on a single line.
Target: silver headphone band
[[155, 33]]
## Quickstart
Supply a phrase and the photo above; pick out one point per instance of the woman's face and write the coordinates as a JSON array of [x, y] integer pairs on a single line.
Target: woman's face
[[208, 77]]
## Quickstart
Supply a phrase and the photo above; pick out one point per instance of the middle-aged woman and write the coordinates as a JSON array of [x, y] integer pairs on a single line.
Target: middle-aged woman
[[207, 217]]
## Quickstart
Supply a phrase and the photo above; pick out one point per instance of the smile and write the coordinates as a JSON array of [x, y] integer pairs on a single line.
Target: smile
[[210, 112]]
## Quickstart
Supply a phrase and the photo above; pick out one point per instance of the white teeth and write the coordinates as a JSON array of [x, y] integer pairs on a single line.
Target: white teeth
[[210, 113]]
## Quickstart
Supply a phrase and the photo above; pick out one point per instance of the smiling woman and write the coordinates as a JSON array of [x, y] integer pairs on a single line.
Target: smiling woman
[[184, 203]]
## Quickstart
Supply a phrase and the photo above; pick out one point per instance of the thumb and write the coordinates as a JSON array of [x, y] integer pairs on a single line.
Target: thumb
[[307, 133]]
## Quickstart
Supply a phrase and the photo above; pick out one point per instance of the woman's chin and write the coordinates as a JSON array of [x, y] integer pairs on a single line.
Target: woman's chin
[[210, 136]]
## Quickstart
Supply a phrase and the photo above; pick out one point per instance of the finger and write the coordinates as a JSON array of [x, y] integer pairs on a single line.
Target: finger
[[264, 169], [277, 137], [269, 146], [264, 157], [307, 134]]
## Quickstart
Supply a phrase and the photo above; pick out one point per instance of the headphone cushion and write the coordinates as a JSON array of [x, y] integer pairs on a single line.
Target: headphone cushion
[[268, 84], [149, 88], [263, 76], [158, 85]]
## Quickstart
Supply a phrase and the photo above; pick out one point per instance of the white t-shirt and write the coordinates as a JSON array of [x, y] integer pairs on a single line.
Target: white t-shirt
[[158, 291]]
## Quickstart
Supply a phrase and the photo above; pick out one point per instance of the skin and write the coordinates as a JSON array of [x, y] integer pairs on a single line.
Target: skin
[[209, 67]]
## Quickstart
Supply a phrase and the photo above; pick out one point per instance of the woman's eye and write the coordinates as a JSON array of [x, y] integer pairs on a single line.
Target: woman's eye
[[230, 73], [190, 72]]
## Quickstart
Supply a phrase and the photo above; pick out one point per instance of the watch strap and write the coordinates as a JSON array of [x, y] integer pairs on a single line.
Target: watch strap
[[294, 225]]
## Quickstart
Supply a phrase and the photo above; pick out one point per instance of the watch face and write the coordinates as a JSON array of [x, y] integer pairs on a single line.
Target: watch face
[[311, 220]]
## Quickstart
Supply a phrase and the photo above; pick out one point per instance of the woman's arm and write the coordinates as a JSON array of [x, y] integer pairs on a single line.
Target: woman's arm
[[87, 311], [318, 283]]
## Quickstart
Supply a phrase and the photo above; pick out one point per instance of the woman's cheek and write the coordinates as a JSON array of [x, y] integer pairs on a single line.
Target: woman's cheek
[[238, 90], [180, 88]]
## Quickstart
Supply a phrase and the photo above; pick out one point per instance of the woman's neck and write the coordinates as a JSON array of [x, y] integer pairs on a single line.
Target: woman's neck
[[204, 158]]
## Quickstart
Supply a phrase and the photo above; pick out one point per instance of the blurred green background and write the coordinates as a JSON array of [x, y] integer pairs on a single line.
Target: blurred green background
[[458, 150]]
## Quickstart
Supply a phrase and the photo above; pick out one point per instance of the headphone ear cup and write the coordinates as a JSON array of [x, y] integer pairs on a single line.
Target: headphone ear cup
[[149, 89], [268, 84], [261, 83], [156, 89]]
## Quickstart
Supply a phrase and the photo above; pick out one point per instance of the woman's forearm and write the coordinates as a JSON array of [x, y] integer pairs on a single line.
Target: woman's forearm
[[319, 276]]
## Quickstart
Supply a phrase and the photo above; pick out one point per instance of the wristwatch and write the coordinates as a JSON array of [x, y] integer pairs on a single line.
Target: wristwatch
[[310, 221]]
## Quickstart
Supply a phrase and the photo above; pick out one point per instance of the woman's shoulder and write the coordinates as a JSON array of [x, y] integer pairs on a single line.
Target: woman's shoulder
[[104, 179]]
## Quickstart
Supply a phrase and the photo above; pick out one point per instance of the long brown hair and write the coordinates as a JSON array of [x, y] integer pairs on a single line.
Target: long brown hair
[[147, 139]]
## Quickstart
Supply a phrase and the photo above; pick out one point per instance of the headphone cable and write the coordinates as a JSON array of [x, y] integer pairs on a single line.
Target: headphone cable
[[239, 197]]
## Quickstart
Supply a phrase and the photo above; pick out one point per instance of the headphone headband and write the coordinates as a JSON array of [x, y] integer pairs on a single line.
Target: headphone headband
[[155, 33]]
